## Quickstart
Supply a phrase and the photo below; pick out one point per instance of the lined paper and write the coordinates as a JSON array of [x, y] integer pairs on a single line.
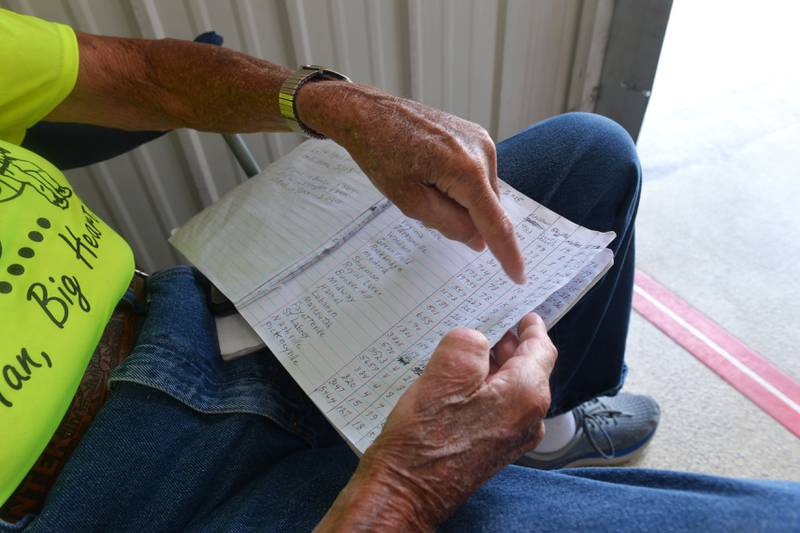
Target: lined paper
[[278, 220], [357, 324], [237, 338]]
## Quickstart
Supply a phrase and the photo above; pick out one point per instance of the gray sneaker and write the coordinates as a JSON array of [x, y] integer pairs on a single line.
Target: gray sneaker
[[611, 430]]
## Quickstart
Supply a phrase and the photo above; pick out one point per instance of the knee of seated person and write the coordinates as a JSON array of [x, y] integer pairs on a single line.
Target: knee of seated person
[[594, 133], [589, 147], [599, 133], [612, 150]]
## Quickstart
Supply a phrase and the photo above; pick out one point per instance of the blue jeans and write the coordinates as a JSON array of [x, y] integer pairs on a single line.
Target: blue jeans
[[189, 442]]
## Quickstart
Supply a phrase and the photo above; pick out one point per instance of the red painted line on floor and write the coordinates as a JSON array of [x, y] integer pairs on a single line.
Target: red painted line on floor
[[771, 389]]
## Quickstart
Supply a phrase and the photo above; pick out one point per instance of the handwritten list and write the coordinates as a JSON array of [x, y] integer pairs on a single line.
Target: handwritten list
[[358, 325], [277, 220]]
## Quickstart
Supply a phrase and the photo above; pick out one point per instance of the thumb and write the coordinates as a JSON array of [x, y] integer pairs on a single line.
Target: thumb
[[460, 362]]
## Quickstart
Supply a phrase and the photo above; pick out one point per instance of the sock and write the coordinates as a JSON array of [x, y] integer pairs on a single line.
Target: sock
[[558, 431]]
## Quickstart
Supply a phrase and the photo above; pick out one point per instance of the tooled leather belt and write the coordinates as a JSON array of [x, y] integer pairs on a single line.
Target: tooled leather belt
[[115, 345]]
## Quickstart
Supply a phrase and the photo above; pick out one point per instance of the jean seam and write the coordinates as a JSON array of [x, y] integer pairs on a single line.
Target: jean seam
[[160, 386]]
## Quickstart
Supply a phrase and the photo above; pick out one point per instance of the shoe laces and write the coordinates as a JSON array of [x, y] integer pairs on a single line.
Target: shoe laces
[[596, 416]]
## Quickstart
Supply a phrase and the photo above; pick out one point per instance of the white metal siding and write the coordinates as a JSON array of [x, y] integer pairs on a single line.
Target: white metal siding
[[501, 63]]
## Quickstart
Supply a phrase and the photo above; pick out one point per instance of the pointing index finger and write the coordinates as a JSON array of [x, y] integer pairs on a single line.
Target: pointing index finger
[[495, 227]]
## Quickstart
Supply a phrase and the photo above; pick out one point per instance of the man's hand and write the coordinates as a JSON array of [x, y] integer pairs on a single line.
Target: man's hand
[[466, 417], [436, 167]]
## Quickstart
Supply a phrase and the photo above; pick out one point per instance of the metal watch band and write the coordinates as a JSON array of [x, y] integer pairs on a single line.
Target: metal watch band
[[287, 103]]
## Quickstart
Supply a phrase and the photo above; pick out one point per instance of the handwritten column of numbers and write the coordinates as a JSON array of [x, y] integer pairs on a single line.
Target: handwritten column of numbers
[[467, 299], [360, 394], [493, 304]]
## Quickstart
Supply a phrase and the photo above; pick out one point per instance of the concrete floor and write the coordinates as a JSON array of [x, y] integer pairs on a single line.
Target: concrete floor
[[719, 224], [706, 425]]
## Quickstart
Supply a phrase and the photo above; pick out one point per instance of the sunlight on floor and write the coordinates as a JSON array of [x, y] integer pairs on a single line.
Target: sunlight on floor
[[718, 224]]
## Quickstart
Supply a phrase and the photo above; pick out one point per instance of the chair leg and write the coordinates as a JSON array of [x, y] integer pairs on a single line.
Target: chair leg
[[242, 153]]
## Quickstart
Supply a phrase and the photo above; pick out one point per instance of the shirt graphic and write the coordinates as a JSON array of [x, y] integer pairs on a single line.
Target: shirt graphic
[[17, 175]]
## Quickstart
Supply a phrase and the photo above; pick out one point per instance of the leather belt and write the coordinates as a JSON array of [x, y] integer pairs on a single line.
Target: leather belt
[[115, 345]]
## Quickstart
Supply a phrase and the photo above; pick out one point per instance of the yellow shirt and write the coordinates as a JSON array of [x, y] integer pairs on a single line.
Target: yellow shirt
[[38, 69], [62, 269]]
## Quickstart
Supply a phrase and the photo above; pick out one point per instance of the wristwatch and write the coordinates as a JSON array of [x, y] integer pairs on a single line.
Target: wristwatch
[[288, 91]]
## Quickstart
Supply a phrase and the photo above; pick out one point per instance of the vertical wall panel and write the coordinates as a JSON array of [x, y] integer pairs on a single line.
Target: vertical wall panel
[[501, 63], [590, 48]]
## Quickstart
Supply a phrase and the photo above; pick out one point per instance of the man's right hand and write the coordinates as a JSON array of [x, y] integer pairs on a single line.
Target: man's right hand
[[437, 168], [466, 417]]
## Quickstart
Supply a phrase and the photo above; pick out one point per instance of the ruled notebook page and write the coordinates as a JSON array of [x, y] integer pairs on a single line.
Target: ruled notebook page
[[358, 325], [358, 328], [278, 219]]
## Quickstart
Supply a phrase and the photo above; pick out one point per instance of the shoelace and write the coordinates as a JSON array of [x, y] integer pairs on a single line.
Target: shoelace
[[596, 419]]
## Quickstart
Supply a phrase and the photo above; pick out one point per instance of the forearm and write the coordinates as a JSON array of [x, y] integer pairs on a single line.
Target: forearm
[[210, 88], [164, 84], [375, 500]]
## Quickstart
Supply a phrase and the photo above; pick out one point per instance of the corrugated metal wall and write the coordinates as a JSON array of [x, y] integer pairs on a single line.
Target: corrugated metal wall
[[501, 63]]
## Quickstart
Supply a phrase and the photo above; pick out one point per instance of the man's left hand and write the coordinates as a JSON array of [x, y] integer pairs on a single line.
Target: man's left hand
[[464, 419]]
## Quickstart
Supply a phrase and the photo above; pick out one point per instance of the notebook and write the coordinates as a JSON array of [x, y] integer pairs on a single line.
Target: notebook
[[352, 297]]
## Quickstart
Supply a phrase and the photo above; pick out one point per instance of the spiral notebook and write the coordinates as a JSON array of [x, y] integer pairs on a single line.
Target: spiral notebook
[[352, 297]]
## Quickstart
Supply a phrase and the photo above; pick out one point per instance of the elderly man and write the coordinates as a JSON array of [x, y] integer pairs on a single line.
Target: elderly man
[[186, 441]]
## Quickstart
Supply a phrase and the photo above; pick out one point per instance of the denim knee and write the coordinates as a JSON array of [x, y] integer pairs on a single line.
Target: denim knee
[[581, 165], [600, 142], [609, 141], [609, 158]]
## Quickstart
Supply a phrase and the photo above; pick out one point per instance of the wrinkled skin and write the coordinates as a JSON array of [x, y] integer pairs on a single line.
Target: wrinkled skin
[[436, 167], [466, 417]]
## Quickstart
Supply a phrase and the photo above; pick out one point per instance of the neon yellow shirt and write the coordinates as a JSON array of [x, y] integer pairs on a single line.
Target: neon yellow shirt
[[62, 269], [39, 67]]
